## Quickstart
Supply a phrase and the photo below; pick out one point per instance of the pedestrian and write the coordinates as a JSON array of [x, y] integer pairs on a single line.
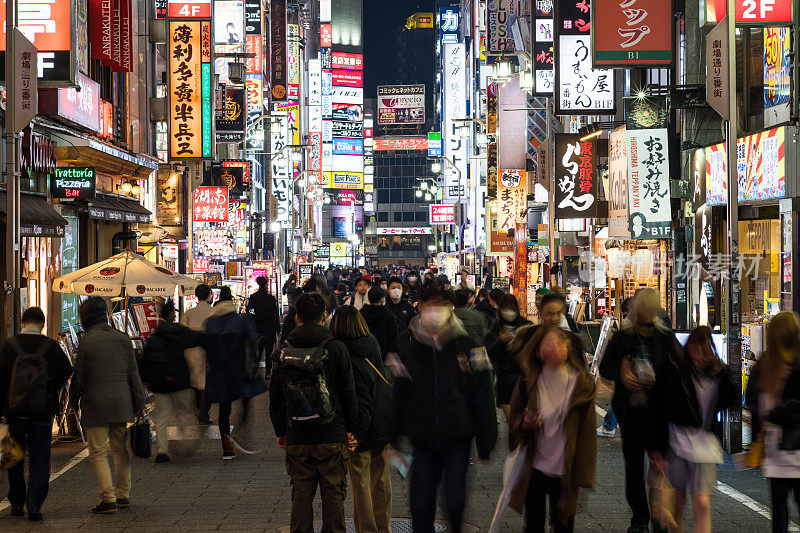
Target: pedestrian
[[541, 292], [475, 323], [413, 283], [289, 322], [445, 399], [683, 445], [264, 308], [400, 307], [381, 322], [313, 408], [608, 428], [773, 396], [463, 282], [484, 305], [195, 318], [109, 391], [375, 424], [634, 360], [166, 374], [29, 401], [552, 412], [291, 290], [359, 298], [231, 340], [500, 335]]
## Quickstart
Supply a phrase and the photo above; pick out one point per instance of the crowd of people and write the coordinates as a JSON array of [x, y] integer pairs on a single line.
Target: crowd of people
[[366, 370]]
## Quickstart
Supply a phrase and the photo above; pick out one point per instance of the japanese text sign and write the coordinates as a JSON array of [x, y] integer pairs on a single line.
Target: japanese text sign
[[500, 16], [278, 66], [401, 143], [442, 214], [618, 184], [575, 194], [717, 94], [777, 66], [512, 192], [648, 184], [628, 33], [210, 204], [750, 11], [401, 104]]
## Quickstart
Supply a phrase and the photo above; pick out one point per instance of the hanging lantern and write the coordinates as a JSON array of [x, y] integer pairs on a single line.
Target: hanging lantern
[[642, 263]]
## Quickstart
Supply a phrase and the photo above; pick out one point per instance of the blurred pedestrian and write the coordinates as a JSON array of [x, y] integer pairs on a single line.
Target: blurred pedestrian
[[773, 396], [501, 334], [33, 371], [381, 322], [109, 391], [484, 305], [375, 424], [291, 290], [552, 412], [264, 308], [400, 307], [195, 318], [475, 323]]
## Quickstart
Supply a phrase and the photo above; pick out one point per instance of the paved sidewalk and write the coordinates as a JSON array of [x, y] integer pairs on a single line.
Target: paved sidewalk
[[251, 493]]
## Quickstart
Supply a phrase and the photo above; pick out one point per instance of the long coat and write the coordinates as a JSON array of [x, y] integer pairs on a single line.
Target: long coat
[[106, 382], [195, 318], [228, 331]]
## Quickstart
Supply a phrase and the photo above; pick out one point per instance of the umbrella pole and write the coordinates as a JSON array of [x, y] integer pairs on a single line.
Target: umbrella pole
[[126, 311]]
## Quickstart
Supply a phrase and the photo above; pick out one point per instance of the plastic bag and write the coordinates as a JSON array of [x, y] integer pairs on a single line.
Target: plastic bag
[[11, 452], [515, 468], [662, 501]]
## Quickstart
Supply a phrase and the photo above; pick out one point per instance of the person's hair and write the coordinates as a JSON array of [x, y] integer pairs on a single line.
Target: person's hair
[[364, 279], [93, 311], [341, 287], [626, 305], [225, 294], [348, 323], [202, 292], [167, 309], [261, 281], [310, 307], [375, 295], [528, 355], [509, 301], [395, 279], [783, 342], [431, 294], [558, 291], [463, 296], [648, 299], [483, 294], [552, 297], [496, 294], [310, 285], [544, 291], [292, 278], [33, 315], [700, 337]]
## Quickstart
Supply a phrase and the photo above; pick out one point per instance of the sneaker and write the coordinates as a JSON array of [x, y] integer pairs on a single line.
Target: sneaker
[[35, 516], [608, 433], [160, 458], [104, 508], [122, 503], [228, 455], [17, 511]]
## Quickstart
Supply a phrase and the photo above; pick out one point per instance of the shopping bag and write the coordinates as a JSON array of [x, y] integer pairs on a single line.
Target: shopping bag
[[11, 452], [515, 469], [751, 458], [140, 437], [662, 501]]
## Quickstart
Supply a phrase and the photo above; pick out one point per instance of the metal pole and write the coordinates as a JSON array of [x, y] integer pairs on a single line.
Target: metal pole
[[551, 222], [733, 319], [13, 250]]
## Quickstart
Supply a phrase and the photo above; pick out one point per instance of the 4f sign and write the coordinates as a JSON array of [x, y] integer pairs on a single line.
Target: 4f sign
[[752, 11], [198, 8]]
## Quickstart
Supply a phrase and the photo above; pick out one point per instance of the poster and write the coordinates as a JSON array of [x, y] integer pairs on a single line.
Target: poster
[[777, 66], [214, 243], [575, 193], [169, 191], [401, 104], [228, 21], [648, 184], [512, 203]]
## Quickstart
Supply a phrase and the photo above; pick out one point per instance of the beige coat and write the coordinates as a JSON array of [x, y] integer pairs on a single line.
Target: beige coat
[[195, 318]]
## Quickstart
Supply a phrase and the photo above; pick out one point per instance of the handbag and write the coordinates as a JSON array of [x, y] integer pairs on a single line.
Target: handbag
[[11, 452], [662, 501], [140, 437]]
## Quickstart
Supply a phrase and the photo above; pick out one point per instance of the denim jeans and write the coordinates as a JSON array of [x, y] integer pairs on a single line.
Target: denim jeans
[[427, 471], [33, 434], [610, 420]]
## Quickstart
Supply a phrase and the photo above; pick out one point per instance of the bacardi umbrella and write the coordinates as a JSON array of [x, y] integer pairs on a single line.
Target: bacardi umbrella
[[125, 274]]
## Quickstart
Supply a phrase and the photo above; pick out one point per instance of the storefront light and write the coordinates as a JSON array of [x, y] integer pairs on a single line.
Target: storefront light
[[419, 193], [480, 140], [428, 197], [135, 189], [463, 130], [423, 185], [126, 187], [526, 79], [177, 219], [297, 157], [275, 226], [502, 69]]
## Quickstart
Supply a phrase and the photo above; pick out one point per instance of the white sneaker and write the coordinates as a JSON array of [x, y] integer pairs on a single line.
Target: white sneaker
[[608, 433]]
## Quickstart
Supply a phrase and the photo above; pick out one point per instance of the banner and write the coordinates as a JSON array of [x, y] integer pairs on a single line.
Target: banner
[[278, 72], [500, 17], [575, 195], [455, 106], [632, 33], [648, 184], [281, 182], [618, 184], [210, 204], [512, 203], [401, 104], [441, 214]]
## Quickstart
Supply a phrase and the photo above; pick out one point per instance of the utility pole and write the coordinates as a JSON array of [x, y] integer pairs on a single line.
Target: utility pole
[[13, 250], [551, 212]]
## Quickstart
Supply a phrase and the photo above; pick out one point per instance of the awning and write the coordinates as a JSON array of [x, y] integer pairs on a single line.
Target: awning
[[104, 157], [37, 217], [115, 209]]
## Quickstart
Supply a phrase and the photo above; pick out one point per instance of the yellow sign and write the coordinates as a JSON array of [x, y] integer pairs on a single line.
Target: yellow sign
[[344, 180], [338, 249], [759, 237], [369, 187], [420, 20]]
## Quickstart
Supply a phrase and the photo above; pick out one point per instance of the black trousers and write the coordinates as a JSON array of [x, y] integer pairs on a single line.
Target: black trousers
[[34, 435], [224, 422], [427, 471], [634, 450], [540, 488], [779, 489], [202, 404]]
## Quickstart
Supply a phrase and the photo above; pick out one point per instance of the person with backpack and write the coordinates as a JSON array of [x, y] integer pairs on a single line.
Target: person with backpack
[[33, 370], [374, 428], [314, 409], [166, 374], [109, 390]]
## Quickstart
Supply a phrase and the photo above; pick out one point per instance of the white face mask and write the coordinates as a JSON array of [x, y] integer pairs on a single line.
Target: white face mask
[[384, 286], [434, 318], [412, 279], [396, 293], [508, 314]]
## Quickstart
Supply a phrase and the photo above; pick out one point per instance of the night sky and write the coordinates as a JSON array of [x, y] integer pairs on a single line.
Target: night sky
[[381, 21]]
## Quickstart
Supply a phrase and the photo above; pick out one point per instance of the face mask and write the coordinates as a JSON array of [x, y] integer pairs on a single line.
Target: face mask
[[384, 286], [396, 293], [412, 279], [508, 314], [433, 319]]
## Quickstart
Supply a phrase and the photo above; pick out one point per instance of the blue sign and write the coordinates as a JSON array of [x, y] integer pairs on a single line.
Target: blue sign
[[435, 144], [449, 24], [347, 146]]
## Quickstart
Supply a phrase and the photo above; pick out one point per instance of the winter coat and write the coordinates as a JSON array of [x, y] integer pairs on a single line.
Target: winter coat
[[485, 307], [383, 325], [784, 414], [228, 332], [106, 382], [375, 423], [579, 429], [164, 367], [195, 318], [292, 292], [339, 380], [446, 395], [475, 323], [504, 362], [264, 308], [403, 312]]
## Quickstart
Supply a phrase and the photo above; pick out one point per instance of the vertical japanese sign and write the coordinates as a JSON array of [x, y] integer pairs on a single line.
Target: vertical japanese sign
[[627, 33], [190, 103], [25, 81], [580, 89], [618, 184], [230, 125], [281, 183], [717, 94], [521, 267], [648, 184], [500, 17], [278, 69], [293, 61], [777, 66], [512, 192], [455, 106], [543, 51], [210, 204], [491, 170], [575, 194]]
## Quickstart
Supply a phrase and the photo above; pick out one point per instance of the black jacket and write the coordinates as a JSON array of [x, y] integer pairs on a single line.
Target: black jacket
[[504, 362], [787, 412], [403, 311], [339, 378], [289, 323], [264, 307], [485, 306], [163, 367], [443, 400], [383, 325], [375, 424], [59, 369]]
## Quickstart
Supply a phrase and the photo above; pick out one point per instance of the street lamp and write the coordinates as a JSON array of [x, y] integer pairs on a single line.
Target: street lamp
[[436, 167], [275, 226], [419, 193], [502, 68]]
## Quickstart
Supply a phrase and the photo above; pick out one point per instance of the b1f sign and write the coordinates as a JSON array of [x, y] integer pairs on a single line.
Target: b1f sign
[[197, 8], [751, 11]]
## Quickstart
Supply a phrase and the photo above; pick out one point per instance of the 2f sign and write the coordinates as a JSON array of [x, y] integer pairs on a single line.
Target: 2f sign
[[764, 11]]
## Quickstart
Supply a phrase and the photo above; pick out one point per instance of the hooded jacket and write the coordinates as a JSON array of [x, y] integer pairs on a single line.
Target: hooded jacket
[[580, 435], [375, 423], [383, 326], [504, 362], [403, 311], [164, 368], [228, 331], [447, 393], [339, 380]]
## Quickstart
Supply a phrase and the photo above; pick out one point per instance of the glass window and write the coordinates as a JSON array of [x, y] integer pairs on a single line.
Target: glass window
[[398, 216], [383, 216], [408, 216], [421, 216], [408, 196], [395, 196], [383, 196]]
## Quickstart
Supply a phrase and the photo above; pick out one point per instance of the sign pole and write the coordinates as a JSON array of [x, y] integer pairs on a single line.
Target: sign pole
[[551, 177], [13, 250]]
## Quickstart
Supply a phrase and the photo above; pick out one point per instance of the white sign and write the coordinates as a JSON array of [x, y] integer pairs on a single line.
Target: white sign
[[404, 231], [281, 182], [314, 82], [229, 21], [717, 94], [26, 91], [648, 184], [581, 89], [456, 149], [347, 163], [347, 95], [618, 184]]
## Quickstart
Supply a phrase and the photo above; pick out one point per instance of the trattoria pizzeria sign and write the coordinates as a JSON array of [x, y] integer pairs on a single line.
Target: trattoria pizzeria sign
[[73, 182]]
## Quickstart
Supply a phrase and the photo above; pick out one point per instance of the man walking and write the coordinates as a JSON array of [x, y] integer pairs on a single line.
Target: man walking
[[313, 408], [195, 318], [29, 400], [380, 320], [264, 308], [401, 308], [359, 298]]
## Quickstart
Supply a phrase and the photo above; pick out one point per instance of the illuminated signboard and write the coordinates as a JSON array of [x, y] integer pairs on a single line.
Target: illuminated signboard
[[72, 182], [631, 33], [404, 231], [190, 105], [511, 199], [345, 61], [401, 104], [210, 204], [229, 21], [401, 143], [344, 180], [186, 8], [442, 214], [750, 11]]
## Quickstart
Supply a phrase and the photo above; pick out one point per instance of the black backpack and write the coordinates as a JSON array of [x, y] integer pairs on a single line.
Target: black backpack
[[302, 376], [28, 387]]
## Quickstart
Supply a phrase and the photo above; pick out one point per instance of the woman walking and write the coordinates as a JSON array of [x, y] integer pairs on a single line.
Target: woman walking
[[773, 395], [369, 463], [498, 340], [684, 446], [552, 412]]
